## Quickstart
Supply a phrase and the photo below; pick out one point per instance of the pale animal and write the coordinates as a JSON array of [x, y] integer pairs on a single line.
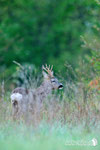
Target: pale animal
[[24, 99]]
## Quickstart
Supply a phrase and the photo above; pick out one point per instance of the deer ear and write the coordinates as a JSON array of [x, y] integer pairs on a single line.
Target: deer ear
[[45, 75]]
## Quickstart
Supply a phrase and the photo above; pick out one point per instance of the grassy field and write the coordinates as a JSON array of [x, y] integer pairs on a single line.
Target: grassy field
[[70, 121], [59, 123], [15, 136]]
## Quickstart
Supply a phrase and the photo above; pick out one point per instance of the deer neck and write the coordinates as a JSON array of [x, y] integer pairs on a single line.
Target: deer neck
[[44, 89]]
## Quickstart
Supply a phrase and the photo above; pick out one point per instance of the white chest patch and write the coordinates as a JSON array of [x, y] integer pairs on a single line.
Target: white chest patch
[[16, 96]]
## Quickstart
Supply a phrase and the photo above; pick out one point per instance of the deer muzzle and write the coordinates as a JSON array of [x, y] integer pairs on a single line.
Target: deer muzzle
[[60, 86]]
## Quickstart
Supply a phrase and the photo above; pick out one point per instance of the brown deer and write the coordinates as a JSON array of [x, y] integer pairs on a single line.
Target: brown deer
[[24, 99]]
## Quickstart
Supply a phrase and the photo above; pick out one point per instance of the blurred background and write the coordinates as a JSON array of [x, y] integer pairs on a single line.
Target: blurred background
[[34, 32], [62, 33]]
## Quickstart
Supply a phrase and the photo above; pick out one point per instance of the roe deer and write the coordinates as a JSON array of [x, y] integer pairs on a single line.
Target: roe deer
[[22, 99]]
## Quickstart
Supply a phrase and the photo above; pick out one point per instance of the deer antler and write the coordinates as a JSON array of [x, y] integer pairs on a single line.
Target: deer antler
[[48, 69]]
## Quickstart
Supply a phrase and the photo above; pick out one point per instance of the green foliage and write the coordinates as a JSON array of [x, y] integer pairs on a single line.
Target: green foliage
[[93, 45], [46, 31], [91, 40]]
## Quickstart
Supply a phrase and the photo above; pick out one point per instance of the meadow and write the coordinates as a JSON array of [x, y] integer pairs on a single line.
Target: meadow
[[45, 136], [66, 121]]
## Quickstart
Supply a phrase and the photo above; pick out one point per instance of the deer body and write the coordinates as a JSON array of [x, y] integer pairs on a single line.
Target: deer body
[[24, 100]]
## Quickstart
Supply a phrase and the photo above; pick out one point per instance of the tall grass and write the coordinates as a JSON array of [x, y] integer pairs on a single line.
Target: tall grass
[[71, 114]]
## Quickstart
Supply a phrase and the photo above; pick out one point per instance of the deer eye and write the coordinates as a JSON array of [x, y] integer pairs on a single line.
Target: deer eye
[[53, 81]]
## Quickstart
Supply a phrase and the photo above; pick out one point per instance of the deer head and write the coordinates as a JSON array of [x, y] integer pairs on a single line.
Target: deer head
[[49, 77]]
